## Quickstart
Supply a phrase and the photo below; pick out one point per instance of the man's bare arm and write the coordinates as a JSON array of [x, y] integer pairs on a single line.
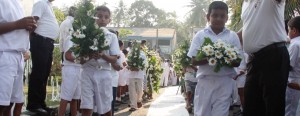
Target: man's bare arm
[[27, 23]]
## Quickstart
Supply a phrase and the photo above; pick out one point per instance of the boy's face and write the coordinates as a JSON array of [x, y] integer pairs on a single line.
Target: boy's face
[[293, 32], [217, 18], [103, 18]]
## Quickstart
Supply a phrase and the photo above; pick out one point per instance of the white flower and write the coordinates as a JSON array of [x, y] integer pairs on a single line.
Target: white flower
[[228, 51], [105, 30], [217, 45], [150, 75], [89, 13], [134, 64], [77, 33], [233, 56], [95, 42], [206, 48], [81, 36], [184, 52], [210, 52], [83, 27], [218, 54], [186, 59], [227, 60], [96, 26], [95, 48], [95, 17], [212, 61]]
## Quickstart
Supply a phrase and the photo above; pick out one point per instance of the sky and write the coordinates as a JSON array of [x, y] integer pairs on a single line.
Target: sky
[[179, 6]]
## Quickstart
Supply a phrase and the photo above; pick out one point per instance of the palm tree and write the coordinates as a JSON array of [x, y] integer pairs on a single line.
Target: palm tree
[[120, 15], [292, 8], [197, 14]]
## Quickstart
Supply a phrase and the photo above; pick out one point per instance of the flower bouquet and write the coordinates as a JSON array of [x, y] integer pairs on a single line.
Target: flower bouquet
[[153, 72], [218, 54], [88, 38], [135, 61], [181, 54]]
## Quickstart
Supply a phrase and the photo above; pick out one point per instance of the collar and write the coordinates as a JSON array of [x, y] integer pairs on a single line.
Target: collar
[[295, 39], [208, 29]]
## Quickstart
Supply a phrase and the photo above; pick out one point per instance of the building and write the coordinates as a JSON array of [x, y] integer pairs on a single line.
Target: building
[[160, 39]]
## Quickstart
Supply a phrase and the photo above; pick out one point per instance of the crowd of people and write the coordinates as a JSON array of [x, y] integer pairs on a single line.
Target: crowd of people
[[265, 83]]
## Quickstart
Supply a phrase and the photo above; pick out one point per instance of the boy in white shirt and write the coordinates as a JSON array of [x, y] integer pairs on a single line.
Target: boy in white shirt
[[293, 89], [214, 90], [96, 80], [14, 40]]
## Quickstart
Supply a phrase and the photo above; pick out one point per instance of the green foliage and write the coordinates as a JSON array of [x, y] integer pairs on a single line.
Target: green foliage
[[201, 55], [123, 33], [135, 61], [236, 9], [292, 8], [59, 14], [153, 71], [120, 17], [197, 14], [180, 57], [56, 63], [88, 38]]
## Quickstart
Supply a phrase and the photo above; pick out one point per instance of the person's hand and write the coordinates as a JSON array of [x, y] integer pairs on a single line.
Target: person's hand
[[26, 55], [97, 55], [28, 23], [116, 66], [294, 86]]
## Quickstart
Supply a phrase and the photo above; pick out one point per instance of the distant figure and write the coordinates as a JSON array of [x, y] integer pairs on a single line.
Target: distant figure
[[165, 76]]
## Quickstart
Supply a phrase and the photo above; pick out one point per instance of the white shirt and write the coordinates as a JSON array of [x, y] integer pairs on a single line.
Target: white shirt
[[114, 73], [263, 24], [141, 73], [16, 40], [190, 75], [294, 51], [67, 45], [227, 36], [114, 49], [46, 25], [64, 31]]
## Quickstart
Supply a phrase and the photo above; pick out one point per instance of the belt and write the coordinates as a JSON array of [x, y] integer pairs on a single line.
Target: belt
[[269, 47], [46, 38]]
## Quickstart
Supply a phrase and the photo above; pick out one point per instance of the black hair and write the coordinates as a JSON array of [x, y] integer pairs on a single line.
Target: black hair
[[72, 10], [103, 8], [143, 42], [286, 25], [129, 43], [217, 5], [121, 43], [295, 23], [125, 52]]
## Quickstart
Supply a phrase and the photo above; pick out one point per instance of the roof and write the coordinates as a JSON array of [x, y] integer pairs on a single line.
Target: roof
[[149, 33]]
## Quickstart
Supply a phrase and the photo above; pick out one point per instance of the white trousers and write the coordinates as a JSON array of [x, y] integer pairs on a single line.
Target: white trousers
[[213, 96], [135, 91]]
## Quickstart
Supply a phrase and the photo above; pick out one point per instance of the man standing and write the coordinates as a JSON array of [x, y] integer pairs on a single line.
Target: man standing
[[14, 40], [264, 39], [41, 48], [65, 28]]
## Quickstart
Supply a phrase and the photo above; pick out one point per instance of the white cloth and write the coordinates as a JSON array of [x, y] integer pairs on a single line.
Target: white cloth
[[213, 96], [122, 73], [70, 86], [115, 74], [141, 73], [47, 24], [190, 75], [114, 49], [240, 81], [165, 76], [16, 40], [227, 36], [173, 77], [135, 91], [11, 78], [64, 31], [291, 102], [294, 51], [96, 89], [263, 24], [292, 95], [67, 45]]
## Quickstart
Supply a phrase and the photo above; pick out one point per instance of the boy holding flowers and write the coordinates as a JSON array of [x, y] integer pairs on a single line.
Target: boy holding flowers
[[214, 89]]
